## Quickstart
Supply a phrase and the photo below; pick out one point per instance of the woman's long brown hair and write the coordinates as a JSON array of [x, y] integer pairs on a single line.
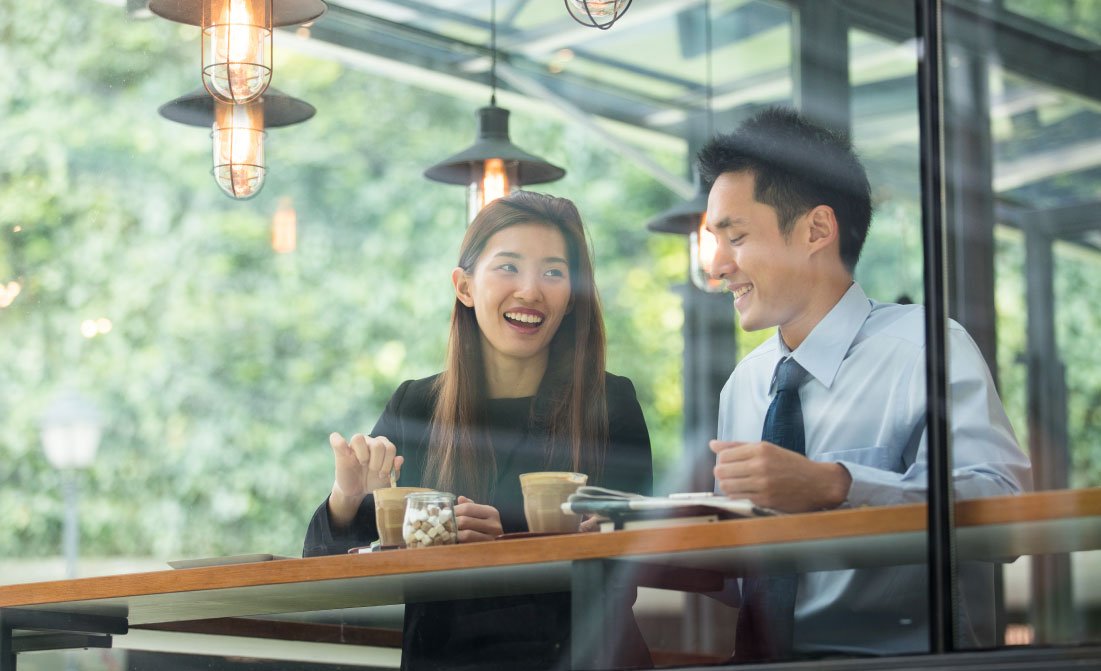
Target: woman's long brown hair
[[570, 405]]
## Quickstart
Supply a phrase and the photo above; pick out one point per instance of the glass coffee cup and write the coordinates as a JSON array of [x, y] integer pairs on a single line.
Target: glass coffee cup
[[544, 494], [390, 511]]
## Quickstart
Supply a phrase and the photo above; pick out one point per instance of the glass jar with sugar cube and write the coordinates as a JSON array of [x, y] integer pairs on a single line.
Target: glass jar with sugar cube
[[429, 520]]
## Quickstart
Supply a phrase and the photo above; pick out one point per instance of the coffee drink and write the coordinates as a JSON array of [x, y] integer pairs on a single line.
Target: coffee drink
[[390, 512], [544, 494]]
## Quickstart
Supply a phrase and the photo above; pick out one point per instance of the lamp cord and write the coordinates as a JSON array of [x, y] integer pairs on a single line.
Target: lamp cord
[[493, 53], [707, 44]]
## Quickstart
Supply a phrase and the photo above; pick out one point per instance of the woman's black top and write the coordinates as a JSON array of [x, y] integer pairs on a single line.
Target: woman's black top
[[518, 632]]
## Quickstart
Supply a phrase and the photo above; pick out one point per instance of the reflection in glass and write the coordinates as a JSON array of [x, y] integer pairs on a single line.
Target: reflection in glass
[[701, 250]]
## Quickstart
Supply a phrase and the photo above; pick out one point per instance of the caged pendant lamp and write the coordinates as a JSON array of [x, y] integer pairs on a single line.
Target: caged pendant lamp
[[690, 217], [600, 14], [237, 133], [237, 39], [492, 167]]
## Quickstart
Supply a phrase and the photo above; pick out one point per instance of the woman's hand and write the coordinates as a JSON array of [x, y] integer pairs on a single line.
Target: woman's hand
[[477, 522], [362, 466]]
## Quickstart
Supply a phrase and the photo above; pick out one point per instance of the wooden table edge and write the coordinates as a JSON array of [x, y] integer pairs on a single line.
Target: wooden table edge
[[835, 524]]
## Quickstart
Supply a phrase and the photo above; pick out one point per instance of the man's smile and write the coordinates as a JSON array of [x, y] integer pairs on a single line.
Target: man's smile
[[741, 290]]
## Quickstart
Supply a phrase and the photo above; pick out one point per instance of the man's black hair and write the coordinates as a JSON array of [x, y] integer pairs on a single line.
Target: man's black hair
[[797, 166]]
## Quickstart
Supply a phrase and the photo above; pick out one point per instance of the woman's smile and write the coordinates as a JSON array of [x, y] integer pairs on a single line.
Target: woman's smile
[[525, 320]]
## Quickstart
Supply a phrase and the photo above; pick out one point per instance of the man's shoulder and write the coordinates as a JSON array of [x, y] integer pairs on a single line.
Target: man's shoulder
[[905, 323]]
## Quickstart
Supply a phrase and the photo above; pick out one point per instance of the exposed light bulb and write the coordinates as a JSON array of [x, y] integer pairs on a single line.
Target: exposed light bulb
[[497, 178], [238, 146], [600, 9], [236, 48], [702, 248], [600, 14]]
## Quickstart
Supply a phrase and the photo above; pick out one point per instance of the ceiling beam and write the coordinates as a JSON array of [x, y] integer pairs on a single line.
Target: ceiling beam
[[1026, 47]]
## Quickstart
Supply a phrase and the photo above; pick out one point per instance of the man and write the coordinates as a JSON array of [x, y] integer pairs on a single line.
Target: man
[[790, 209]]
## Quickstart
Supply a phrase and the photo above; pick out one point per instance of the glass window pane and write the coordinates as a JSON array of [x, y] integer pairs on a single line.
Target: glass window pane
[[1021, 145]]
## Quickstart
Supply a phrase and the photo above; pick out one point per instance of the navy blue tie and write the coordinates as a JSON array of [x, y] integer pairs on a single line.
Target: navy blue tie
[[767, 617]]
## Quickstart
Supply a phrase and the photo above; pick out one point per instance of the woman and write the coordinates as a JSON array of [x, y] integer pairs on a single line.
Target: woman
[[524, 390]]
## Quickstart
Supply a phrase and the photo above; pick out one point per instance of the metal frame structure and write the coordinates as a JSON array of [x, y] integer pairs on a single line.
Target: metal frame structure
[[53, 631]]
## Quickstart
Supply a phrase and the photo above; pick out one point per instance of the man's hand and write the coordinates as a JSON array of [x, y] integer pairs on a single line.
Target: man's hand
[[592, 523], [777, 478], [477, 522]]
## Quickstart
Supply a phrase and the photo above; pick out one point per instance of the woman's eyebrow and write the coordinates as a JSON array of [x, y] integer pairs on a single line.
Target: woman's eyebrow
[[546, 259]]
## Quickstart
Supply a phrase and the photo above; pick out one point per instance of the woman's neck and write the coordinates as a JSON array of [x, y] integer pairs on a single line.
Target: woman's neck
[[513, 378]]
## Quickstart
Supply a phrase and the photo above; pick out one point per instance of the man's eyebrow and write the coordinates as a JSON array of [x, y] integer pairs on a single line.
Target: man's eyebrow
[[726, 222]]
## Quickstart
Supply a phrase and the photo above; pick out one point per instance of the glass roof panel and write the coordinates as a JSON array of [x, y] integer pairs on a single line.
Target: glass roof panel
[[1080, 17]]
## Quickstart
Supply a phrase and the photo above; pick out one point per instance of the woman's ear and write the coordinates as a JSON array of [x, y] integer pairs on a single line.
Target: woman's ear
[[462, 287]]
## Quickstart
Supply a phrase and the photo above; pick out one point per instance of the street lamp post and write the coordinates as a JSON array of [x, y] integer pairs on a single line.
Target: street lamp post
[[71, 429]]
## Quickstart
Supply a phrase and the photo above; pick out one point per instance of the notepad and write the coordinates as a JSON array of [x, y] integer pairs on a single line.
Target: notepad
[[626, 508]]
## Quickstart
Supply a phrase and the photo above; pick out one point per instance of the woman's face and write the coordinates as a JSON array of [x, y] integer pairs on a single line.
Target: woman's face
[[519, 290]]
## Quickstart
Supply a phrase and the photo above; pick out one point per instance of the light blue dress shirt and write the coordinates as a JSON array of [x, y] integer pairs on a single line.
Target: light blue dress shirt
[[864, 408]]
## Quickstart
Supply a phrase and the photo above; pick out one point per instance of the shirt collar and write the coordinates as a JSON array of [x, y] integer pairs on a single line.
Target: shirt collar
[[825, 348]]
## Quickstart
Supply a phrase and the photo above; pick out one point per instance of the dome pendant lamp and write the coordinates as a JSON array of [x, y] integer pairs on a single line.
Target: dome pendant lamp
[[237, 39], [690, 217], [492, 167], [237, 133], [600, 14]]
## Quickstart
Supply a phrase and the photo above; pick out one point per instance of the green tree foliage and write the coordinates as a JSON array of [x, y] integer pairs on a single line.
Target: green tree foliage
[[227, 365]]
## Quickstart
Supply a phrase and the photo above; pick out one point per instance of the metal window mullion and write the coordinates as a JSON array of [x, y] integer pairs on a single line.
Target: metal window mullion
[[941, 528]]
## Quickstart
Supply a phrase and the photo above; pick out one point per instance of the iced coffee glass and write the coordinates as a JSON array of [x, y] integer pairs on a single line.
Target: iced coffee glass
[[390, 511]]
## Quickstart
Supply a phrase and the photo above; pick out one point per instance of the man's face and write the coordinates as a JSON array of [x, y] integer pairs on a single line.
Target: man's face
[[767, 273]]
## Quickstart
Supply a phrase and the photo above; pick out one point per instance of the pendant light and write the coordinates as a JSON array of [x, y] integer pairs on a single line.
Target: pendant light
[[284, 227], [237, 133], [492, 167], [237, 39], [690, 217], [600, 14]]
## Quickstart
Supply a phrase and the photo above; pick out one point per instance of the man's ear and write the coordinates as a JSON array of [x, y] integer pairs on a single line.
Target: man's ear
[[822, 229], [462, 287]]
